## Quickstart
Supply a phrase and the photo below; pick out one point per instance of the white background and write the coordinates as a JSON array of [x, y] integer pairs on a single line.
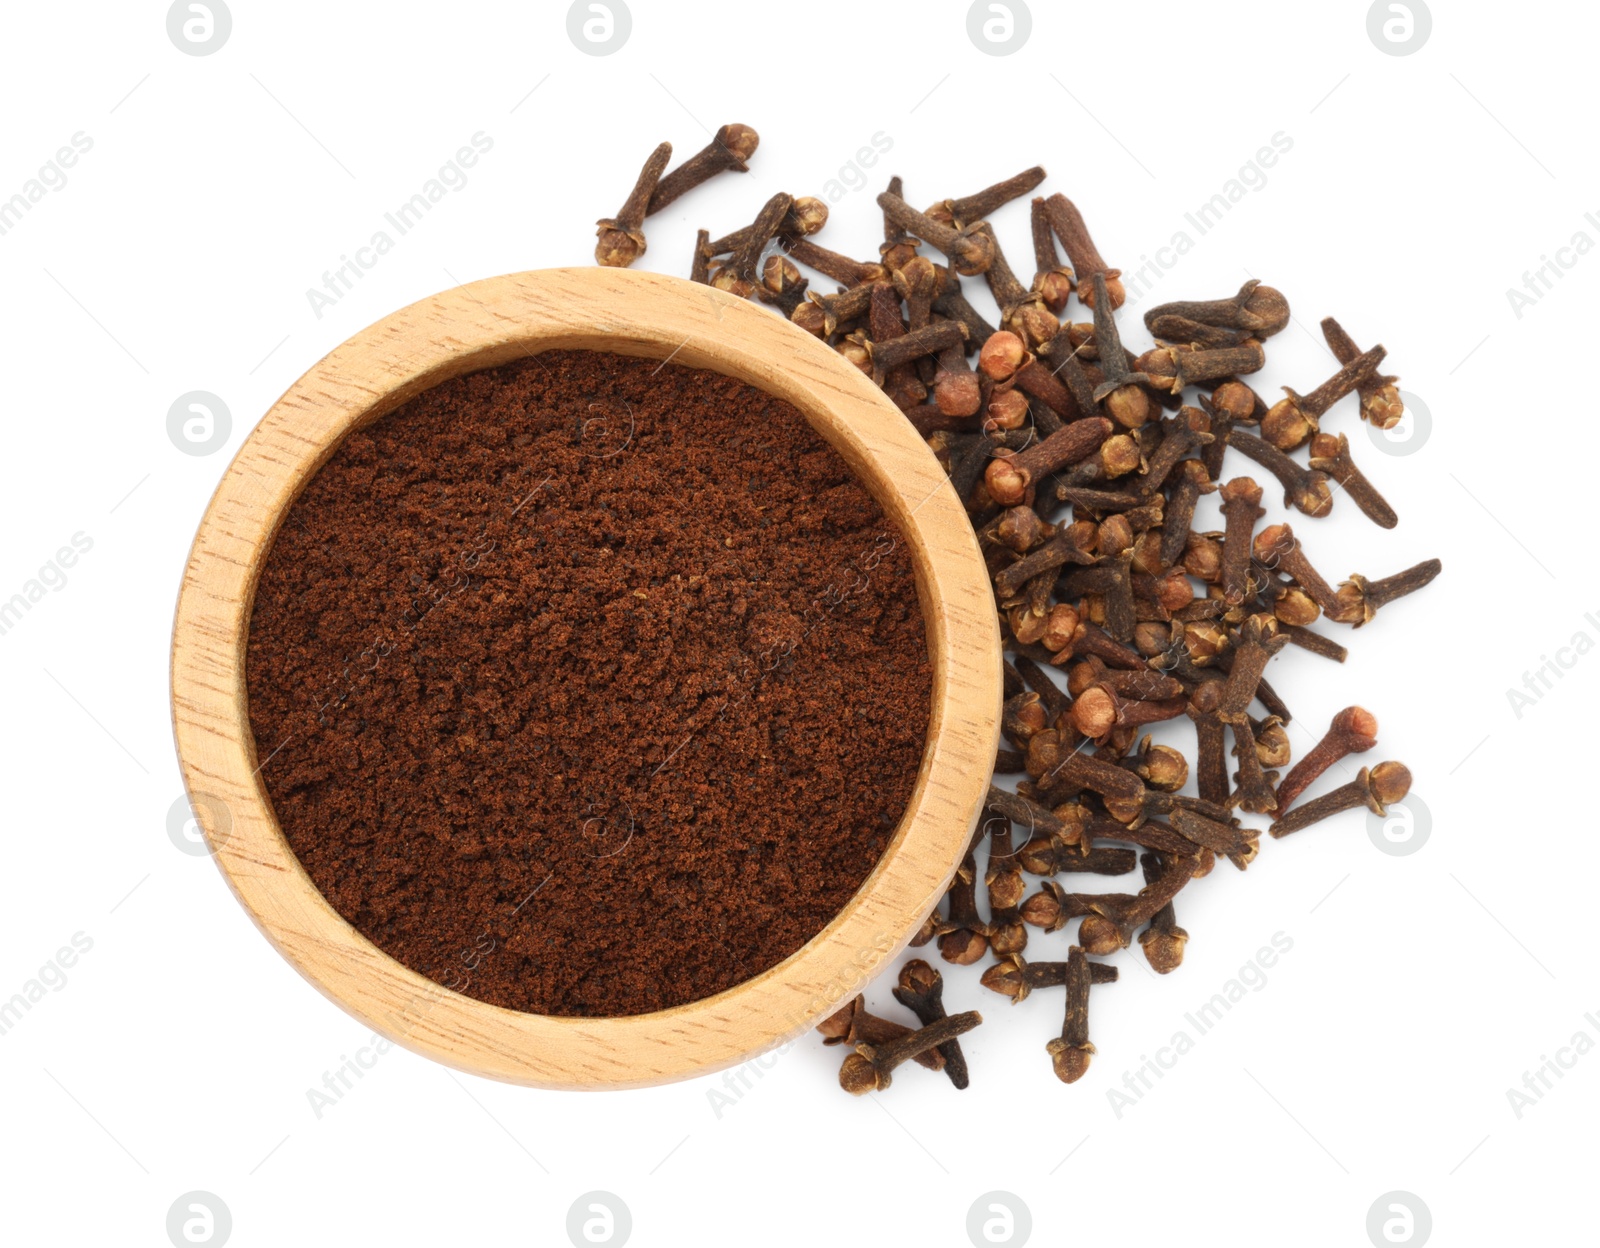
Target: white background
[[1379, 1053]]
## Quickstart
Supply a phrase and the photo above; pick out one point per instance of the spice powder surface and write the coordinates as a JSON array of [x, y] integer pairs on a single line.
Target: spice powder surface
[[587, 685]]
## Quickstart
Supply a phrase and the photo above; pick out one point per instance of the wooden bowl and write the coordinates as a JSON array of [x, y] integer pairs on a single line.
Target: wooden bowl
[[478, 326]]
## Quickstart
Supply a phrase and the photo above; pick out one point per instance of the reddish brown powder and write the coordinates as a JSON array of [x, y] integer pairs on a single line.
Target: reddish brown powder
[[588, 686]]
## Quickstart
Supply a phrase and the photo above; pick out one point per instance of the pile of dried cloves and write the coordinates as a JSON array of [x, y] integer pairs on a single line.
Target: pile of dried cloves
[[1081, 468]]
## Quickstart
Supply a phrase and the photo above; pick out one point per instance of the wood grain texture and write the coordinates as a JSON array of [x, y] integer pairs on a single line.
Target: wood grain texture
[[477, 326]]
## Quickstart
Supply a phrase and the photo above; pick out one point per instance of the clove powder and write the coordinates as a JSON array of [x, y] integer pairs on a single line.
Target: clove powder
[[586, 685]]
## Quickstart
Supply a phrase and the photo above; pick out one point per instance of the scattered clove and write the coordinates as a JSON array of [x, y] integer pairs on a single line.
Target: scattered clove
[[921, 990], [870, 1067], [620, 239], [1374, 789], [1082, 470]]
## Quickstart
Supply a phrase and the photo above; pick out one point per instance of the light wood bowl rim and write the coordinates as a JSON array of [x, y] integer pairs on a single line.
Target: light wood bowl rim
[[475, 326]]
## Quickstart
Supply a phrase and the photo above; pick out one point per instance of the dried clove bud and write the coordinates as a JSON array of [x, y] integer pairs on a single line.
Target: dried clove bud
[[1294, 418], [729, 148], [1380, 397], [963, 935], [921, 990], [1008, 478], [1163, 940], [1353, 730], [1359, 599], [970, 209], [1067, 222], [620, 239], [869, 1068], [1257, 308], [853, 1025], [1375, 789], [969, 249], [1015, 977], [1331, 454], [1070, 1052]]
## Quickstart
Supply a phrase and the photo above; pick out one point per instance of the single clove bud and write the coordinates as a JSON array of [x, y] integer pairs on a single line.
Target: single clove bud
[[1051, 856], [1375, 789], [1294, 418], [1305, 489], [1121, 391], [853, 1025], [1070, 1051], [1380, 397], [1257, 308], [1353, 730], [842, 269], [1122, 792], [970, 250], [1002, 878], [1331, 454], [1115, 916], [738, 274], [870, 1067], [970, 209], [921, 990], [1360, 599], [1241, 508], [1277, 547], [963, 935], [1174, 368], [806, 216], [1255, 644], [1052, 280], [1013, 976], [620, 239], [822, 315], [729, 148], [1163, 940], [930, 340], [1008, 478], [1254, 793]]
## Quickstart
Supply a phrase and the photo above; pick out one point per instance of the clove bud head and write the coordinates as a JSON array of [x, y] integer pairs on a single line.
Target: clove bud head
[[1101, 936], [1163, 950], [1001, 355], [1286, 425], [616, 247], [1233, 400], [738, 140], [1070, 1061], [1387, 782]]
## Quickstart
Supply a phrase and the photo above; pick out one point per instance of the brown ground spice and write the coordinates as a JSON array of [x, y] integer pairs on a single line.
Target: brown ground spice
[[586, 685]]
